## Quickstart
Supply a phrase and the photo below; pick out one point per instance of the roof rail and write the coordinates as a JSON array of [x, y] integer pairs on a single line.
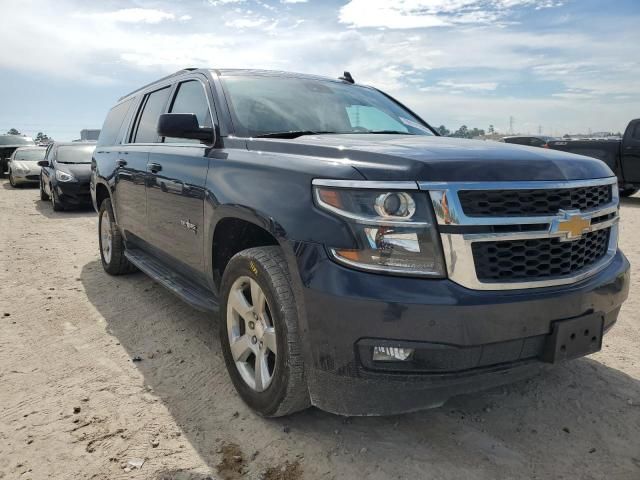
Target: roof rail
[[179, 72]]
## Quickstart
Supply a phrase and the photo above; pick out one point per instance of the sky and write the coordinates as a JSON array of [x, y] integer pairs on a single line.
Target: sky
[[558, 66]]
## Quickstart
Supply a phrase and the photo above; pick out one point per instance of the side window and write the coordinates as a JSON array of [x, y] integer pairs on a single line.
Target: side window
[[113, 123], [191, 98], [536, 142], [636, 132], [153, 106], [50, 154], [371, 118]]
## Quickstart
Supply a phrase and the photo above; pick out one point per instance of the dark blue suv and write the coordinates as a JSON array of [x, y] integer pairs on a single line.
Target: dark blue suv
[[355, 260]]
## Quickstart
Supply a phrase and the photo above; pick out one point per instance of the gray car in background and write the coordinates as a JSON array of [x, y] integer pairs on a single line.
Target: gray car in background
[[23, 165], [8, 144]]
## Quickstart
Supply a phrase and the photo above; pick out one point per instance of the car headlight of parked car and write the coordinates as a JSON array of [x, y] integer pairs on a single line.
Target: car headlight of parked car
[[64, 177], [394, 229], [20, 168]]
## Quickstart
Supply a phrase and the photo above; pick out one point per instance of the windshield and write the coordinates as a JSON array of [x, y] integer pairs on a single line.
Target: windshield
[[263, 105], [15, 140], [75, 154], [29, 155]]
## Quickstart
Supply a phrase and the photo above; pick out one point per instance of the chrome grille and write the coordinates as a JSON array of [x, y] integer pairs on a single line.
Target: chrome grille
[[491, 203], [512, 235], [537, 258]]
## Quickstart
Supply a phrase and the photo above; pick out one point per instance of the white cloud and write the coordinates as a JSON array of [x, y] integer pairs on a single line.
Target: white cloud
[[402, 14], [132, 15], [294, 1], [245, 22], [478, 86]]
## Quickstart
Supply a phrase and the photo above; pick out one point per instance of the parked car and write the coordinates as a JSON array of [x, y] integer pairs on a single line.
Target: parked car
[[621, 155], [65, 175], [8, 144], [356, 260], [529, 140], [23, 165]]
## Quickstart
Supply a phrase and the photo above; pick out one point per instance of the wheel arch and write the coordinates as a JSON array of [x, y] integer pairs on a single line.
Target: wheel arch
[[237, 230]]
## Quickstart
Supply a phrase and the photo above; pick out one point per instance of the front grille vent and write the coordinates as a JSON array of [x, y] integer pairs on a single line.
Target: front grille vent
[[537, 259], [532, 202]]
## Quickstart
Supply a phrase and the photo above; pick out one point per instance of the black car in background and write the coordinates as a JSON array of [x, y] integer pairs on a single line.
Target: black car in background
[[8, 144], [23, 165], [65, 175], [529, 140], [621, 155]]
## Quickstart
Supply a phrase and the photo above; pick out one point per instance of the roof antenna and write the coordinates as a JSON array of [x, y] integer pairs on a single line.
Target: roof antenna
[[346, 76]]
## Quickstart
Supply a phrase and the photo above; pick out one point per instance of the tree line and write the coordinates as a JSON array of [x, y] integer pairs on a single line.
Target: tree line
[[39, 138], [464, 132]]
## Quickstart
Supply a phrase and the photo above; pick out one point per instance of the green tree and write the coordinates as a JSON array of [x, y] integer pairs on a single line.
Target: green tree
[[13, 131], [42, 137], [462, 132], [444, 131], [491, 130]]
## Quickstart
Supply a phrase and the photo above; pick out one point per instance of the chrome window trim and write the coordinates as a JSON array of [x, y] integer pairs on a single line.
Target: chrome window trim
[[457, 249]]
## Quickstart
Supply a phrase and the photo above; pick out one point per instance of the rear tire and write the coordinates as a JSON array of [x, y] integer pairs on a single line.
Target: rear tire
[[43, 196], [55, 201], [262, 272], [112, 246], [627, 192]]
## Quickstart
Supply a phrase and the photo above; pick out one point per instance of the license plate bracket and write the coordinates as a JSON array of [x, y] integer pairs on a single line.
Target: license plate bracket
[[574, 338]]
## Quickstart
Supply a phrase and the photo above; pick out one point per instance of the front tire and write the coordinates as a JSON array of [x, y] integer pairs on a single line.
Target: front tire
[[627, 192], [112, 246], [55, 201], [12, 180], [43, 196], [259, 333]]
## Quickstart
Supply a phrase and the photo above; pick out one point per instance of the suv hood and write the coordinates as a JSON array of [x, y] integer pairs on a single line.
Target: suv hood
[[445, 159]]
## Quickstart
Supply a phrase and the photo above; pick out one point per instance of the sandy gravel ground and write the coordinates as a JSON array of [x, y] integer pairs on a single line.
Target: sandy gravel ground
[[74, 404]]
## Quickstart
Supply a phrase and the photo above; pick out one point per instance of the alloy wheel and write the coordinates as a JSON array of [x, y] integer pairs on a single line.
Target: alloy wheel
[[252, 334], [106, 241]]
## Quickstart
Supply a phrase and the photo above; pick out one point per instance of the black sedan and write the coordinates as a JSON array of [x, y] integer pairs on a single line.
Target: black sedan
[[65, 174]]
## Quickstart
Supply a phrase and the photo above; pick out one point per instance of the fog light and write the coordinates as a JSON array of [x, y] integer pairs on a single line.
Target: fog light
[[391, 354]]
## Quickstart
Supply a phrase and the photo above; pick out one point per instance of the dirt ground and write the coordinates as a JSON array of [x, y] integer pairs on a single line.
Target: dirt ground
[[98, 374]]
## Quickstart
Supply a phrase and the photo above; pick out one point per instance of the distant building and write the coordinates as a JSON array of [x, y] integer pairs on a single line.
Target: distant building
[[89, 134]]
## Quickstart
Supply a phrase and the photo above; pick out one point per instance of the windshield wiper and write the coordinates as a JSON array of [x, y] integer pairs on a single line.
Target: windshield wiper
[[291, 134]]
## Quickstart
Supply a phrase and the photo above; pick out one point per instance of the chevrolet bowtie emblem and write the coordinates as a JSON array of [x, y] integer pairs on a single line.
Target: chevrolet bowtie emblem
[[570, 223]]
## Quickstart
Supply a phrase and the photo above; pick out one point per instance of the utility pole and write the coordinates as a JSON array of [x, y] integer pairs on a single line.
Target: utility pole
[[539, 129], [511, 121]]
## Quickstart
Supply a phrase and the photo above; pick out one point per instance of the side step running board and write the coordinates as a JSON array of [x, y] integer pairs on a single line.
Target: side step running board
[[189, 292]]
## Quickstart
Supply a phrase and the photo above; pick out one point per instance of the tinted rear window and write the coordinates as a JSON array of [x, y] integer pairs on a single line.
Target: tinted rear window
[[113, 123], [30, 155], [75, 154]]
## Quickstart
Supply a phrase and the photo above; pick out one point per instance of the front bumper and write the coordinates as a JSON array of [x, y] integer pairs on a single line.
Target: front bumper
[[73, 193], [469, 340], [28, 177]]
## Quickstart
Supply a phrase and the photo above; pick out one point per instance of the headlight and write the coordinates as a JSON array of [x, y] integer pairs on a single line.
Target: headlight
[[20, 168], [64, 177], [394, 229]]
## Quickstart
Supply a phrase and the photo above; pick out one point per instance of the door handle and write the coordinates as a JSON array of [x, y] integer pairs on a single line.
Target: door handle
[[154, 167], [121, 162]]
